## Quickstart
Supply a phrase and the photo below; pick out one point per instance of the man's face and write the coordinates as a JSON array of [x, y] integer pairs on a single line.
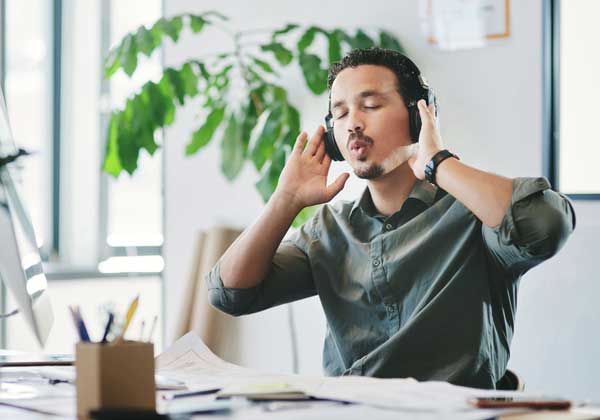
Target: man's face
[[370, 118]]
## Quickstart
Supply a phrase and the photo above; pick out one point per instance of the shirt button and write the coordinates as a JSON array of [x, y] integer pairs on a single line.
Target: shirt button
[[390, 310], [388, 226], [376, 262]]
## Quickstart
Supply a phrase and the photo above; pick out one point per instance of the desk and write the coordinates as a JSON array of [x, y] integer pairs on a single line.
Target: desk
[[60, 399]]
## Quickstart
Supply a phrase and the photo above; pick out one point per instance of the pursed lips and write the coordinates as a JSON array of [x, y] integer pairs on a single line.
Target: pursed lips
[[358, 147]]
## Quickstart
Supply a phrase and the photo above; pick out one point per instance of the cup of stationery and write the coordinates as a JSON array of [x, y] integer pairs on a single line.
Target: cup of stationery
[[113, 375]]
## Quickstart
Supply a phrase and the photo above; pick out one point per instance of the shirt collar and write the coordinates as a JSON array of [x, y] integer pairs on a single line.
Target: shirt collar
[[422, 191]]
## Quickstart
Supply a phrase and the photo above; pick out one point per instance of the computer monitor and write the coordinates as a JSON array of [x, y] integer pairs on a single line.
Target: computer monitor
[[21, 268]]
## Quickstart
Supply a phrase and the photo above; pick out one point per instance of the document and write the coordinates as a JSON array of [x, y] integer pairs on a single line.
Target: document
[[189, 360]]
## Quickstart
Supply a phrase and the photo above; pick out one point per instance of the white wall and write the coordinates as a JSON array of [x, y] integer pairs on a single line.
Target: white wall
[[490, 107]]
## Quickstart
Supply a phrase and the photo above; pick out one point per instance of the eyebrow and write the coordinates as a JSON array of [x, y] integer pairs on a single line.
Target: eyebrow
[[362, 95]]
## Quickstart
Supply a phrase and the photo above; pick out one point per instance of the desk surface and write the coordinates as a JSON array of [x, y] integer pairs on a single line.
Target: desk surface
[[60, 400]]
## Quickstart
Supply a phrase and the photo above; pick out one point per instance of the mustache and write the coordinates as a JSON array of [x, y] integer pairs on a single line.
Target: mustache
[[358, 136]]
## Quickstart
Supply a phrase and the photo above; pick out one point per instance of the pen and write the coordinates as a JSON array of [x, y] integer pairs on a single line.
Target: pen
[[79, 323], [191, 393], [111, 317], [130, 312]]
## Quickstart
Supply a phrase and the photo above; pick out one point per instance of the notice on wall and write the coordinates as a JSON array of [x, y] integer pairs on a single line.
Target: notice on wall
[[463, 24]]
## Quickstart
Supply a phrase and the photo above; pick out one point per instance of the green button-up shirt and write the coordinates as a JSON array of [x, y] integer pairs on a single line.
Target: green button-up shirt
[[428, 292]]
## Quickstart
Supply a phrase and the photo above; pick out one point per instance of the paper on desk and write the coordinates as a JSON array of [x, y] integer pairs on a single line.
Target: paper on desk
[[189, 360]]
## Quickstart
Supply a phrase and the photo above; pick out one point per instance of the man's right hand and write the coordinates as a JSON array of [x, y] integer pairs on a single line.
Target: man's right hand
[[304, 177]]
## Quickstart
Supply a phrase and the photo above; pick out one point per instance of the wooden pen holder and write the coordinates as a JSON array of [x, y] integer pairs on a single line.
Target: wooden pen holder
[[114, 376]]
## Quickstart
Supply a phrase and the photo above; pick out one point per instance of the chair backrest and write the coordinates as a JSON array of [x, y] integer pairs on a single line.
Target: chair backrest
[[510, 382]]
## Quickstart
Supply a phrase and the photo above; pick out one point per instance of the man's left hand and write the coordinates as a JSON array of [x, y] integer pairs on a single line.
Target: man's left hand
[[430, 140]]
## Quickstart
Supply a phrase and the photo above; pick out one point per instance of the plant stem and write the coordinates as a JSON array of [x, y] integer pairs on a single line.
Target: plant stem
[[244, 71]]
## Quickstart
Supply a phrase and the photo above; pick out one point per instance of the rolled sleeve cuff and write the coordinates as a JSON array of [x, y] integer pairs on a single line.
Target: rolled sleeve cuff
[[507, 230], [539, 219], [232, 301]]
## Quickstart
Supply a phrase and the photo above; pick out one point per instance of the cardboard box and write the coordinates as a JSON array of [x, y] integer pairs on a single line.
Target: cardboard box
[[114, 375]]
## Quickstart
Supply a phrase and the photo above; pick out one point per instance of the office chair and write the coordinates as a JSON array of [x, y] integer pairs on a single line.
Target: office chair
[[510, 382]]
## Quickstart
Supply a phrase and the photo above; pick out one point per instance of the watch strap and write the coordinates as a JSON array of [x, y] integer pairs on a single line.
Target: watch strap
[[432, 165]]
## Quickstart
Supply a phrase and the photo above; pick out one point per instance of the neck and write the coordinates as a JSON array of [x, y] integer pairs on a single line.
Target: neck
[[391, 190]]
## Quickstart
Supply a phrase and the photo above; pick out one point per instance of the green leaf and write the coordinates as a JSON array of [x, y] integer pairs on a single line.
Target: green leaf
[[189, 79], [112, 164], [389, 41], [279, 94], [177, 84], [202, 136], [145, 41], [266, 67], [343, 36], [170, 27], [264, 136], [128, 55], [305, 214], [128, 149], [289, 27], [160, 102], [249, 119], [293, 121], [281, 53], [232, 156], [334, 48], [307, 38], [362, 40], [112, 62], [270, 176], [196, 23], [314, 75]]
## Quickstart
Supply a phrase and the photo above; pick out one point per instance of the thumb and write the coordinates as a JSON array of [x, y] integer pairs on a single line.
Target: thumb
[[336, 186]]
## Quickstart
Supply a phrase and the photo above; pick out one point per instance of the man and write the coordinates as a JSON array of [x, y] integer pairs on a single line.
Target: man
[[416, 278]]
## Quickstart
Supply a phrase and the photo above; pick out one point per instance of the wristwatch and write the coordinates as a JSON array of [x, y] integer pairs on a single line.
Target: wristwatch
[[431, 167]]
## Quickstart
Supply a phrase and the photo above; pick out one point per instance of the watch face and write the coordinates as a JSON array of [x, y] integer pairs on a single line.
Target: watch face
[[429, 171]]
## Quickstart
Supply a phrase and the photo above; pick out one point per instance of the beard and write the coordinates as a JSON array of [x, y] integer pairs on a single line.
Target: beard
[[370, 172]]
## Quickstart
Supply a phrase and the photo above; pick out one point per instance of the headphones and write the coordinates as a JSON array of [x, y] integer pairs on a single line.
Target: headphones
[[417, 88]]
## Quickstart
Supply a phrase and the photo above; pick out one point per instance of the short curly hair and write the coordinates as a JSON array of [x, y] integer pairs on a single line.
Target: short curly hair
[[406, 71]]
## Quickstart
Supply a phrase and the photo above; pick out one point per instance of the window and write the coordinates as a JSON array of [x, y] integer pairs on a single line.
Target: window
[[571, 66], [59, 105], [28, 85]]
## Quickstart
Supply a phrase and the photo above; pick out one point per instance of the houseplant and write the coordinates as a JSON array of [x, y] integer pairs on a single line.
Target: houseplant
[[259, 126]]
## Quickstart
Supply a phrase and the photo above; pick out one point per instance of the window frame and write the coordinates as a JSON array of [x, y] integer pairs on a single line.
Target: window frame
[[105, 250], [55, 266], [551, 26]]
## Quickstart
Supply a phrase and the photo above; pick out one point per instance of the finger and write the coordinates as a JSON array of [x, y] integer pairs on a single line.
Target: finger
[[432, 112], [424, 111], [314, 141], [321, 152], [299, 144], [336, 186], [326, 163], [411, 161]]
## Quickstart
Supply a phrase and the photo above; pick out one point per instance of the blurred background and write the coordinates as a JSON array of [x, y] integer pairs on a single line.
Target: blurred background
[[517, 99]]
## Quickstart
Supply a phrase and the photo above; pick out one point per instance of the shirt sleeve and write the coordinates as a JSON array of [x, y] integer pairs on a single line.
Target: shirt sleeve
[[534, 228], [289, 279]]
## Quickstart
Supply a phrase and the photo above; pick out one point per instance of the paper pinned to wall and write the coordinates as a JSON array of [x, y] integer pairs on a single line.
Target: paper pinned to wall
[[462, 24]]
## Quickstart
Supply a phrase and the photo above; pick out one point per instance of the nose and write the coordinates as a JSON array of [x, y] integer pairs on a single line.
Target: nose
[[356, 121]]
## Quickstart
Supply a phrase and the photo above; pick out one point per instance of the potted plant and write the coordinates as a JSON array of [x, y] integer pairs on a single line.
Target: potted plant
[[261, 127]]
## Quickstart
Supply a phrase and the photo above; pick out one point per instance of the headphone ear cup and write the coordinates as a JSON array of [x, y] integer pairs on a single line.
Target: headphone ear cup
[[415, 123], [331, 146]]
